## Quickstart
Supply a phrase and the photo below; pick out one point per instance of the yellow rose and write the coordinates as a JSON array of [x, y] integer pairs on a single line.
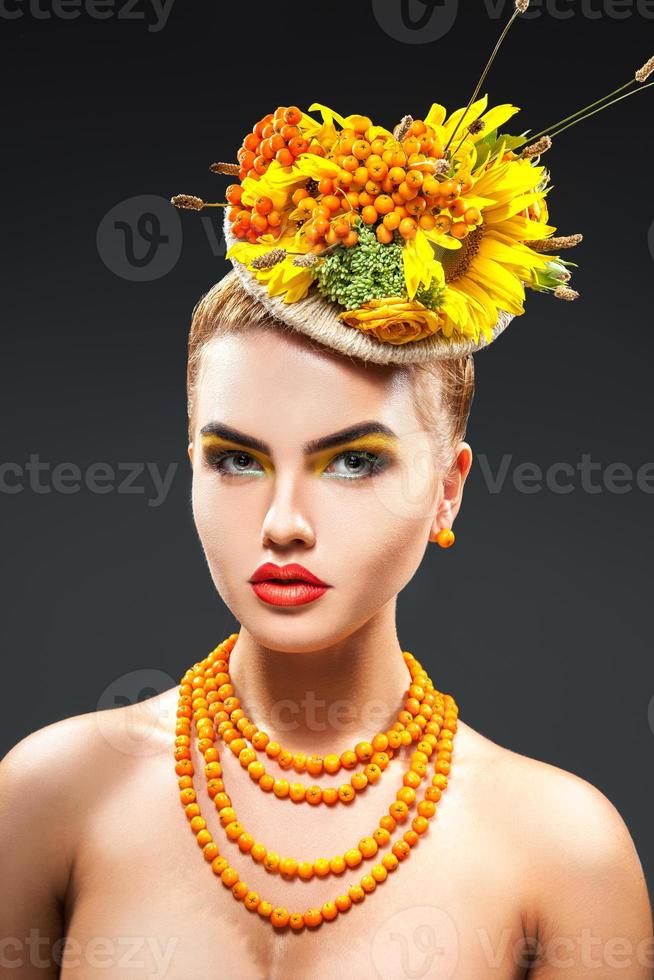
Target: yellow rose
[[394, 319]]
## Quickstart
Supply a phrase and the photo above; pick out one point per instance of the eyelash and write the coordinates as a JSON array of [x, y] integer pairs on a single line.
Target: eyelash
[[377, 462]]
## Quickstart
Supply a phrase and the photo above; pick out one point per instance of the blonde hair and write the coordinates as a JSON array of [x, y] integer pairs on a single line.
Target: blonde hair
[[442, 390]]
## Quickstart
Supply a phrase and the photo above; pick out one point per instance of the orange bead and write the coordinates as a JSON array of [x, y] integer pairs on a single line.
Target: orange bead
[[353, 857], [359, 781], [229, 877], [420, 824], [337, 864], [315, 762], [234, 829], [288, 867], [271, 861], [346, 793], [330, 793], [445, 537], [313, 917], [368, 846], [279, 917], [379, 872], [296, 792], [305, 870], [252, 900], [343, 903], [399, 811], [313, 795], [218, 865]]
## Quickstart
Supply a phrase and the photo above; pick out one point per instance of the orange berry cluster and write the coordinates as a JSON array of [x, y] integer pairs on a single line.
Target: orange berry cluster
[[276, 136], [391, 188]]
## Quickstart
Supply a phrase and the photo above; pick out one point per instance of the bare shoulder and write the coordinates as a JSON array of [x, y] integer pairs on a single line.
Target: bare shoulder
[[558, 810], [54, 770], [61, 747], [582, 867]]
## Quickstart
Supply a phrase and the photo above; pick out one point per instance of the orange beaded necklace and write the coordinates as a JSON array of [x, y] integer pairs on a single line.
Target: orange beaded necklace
[[207, 698]]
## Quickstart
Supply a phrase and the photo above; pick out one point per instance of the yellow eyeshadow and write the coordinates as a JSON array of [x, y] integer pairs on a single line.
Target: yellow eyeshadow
[[217, 443], [371, 444]]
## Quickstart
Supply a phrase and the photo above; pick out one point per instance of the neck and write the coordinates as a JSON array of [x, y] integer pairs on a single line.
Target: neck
[[324, 700]]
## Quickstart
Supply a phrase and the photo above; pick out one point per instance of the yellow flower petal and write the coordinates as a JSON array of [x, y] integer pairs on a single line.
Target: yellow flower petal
[[464, 116], [496, 117], [436, 115], [440, 238], [328, 114], [312, 165]]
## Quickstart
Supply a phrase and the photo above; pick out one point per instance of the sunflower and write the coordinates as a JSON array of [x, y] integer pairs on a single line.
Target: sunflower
[[492, 269]]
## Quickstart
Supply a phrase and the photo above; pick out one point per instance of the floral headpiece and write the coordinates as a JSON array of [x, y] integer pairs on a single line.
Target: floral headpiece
[[397, 246]]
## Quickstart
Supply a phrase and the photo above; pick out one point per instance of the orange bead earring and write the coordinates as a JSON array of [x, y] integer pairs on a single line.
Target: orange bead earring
[[445, 537]]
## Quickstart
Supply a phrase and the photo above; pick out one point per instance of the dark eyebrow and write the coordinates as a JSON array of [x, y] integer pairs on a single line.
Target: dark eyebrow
[[313, 446]]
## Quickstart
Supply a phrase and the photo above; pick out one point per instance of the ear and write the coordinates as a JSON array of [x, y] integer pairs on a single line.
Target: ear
[[190, 452], [450, 500]]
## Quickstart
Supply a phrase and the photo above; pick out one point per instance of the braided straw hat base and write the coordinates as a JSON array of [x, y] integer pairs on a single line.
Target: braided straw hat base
[[316, 317]]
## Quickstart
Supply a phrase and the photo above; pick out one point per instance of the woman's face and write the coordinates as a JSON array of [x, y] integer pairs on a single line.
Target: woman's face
[[275, 479]]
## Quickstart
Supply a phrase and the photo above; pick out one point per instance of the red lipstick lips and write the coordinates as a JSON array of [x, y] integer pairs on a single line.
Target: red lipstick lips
[[286, 585]]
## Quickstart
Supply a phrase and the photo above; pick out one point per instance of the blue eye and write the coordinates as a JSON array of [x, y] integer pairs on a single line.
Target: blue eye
[[242, 463], [361, 464]]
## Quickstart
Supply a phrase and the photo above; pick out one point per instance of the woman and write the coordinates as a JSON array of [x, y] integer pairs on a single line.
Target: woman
[[327, 451], [525, 863]]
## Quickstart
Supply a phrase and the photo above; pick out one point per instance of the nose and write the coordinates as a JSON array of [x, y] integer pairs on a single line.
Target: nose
[[286, 520]]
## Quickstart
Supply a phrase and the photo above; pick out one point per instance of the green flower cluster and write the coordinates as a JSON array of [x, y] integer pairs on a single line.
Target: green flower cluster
[[368, 270], [432, 296]]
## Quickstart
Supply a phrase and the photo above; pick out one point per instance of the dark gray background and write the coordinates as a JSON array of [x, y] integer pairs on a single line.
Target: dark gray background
[[539, 619]]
